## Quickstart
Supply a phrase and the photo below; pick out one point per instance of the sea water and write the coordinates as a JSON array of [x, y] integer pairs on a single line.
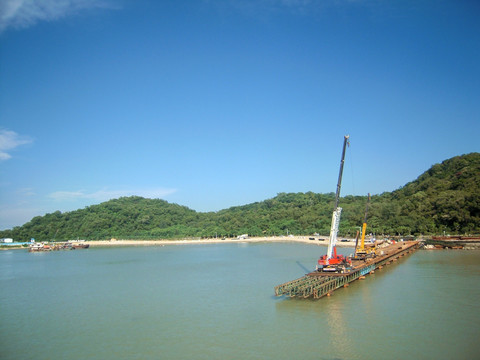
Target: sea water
[[216, 302]]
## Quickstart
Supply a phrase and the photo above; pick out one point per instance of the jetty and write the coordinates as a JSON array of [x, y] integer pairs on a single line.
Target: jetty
[[318, 283]]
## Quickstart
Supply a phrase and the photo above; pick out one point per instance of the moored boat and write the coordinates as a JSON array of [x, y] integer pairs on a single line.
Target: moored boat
[[81, 246], [78, 244]]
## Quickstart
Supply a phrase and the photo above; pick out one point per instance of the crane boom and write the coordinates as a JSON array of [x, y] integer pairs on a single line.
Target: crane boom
[[361, 252], [337, 211], [340, 174], [364, 226]]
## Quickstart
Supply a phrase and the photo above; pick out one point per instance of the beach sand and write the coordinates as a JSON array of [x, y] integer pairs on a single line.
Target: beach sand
[[303, 239]]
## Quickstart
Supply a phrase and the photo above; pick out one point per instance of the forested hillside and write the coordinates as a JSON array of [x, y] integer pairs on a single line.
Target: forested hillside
[[444, 198]]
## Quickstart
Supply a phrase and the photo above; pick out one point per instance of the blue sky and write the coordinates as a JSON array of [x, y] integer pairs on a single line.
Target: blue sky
[[218, 103]]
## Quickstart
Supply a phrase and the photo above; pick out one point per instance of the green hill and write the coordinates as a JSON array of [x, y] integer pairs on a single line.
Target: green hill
[[444, 198]]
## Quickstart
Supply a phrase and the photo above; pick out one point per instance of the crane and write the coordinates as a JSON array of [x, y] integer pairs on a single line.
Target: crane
[[361, 252], [331, 262]]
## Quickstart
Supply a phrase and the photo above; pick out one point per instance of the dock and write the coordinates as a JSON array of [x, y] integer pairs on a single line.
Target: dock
[[318, 284]]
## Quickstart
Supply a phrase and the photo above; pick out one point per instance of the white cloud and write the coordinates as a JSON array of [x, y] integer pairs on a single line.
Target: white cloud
[[11, 216], [25, 192], [104, 195], [25, 13], [67, 195], [10, 140]]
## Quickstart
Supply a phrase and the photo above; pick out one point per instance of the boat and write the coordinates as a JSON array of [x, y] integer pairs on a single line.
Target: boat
[[80, 246]]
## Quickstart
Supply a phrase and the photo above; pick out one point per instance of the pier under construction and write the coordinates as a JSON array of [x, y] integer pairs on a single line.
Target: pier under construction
[[318, 283], [335, 271]]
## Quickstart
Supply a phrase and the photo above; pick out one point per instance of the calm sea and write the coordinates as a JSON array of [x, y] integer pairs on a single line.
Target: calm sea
[[216, 302]]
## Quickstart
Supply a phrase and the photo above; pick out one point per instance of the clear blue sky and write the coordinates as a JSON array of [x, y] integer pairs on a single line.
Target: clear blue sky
[[218, 103]]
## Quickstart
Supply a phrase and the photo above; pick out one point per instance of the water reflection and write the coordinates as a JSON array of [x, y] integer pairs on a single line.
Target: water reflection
[[327, 321], [339, 330]]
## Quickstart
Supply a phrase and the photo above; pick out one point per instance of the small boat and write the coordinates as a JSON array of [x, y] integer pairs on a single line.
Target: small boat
[[80, 246]]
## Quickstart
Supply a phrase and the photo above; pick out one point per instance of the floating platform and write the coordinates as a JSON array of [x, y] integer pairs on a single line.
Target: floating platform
[[318, 284]]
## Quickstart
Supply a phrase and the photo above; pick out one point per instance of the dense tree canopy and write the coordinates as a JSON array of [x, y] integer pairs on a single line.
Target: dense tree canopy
[[444, 198]]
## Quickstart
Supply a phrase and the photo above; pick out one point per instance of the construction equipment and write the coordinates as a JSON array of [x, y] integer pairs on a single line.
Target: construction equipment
[[331, 262], [362, 252]]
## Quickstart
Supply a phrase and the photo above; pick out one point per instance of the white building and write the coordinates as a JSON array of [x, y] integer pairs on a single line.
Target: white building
[[6, 240]]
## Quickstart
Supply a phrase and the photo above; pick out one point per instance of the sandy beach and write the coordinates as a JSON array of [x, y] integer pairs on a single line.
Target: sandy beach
[[127, 242], [303, 239]]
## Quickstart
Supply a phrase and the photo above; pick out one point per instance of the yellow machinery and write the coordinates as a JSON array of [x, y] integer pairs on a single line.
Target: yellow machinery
[[362, 252]]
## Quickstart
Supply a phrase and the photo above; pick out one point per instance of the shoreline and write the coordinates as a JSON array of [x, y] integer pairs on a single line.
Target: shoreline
[[163, 242], [301, 239]]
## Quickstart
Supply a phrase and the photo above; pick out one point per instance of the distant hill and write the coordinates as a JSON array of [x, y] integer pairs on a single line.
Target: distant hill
[[444, 198]]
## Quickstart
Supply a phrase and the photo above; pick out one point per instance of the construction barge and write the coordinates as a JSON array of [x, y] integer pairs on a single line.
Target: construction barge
[[318, 283]]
